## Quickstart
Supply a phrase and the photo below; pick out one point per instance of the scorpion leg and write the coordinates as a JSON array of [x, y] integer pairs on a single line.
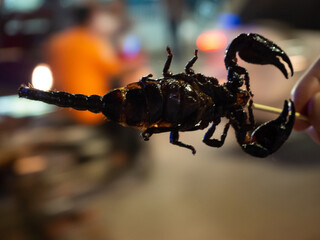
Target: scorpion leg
[[145, 78], [150, 131], [201, 126], [191, 62], [254, 48], [236, 75], [268, 137], [174, 139], [174, 136], [166, 72], [215, 142]]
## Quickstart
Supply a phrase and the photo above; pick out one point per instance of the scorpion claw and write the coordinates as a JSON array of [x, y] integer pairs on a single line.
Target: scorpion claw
[[270, 136], [254, 48]]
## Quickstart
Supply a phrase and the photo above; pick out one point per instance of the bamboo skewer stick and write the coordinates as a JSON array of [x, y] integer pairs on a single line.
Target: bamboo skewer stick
[[277, 110]]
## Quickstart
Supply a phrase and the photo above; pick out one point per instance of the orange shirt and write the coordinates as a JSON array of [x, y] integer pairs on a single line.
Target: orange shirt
[[82, 63]]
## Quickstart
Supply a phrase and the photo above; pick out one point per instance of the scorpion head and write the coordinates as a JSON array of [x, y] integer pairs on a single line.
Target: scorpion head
[[242, 97]]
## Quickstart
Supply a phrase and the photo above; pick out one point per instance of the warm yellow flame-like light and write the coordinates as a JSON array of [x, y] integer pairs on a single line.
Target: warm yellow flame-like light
[[42, 77]]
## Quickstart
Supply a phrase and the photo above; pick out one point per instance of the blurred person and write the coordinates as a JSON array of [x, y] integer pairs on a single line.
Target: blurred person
[[306, 97], [83, 60], [82, 57]]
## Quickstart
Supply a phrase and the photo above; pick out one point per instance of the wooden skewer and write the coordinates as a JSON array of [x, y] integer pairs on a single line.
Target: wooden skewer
[[277, 110]]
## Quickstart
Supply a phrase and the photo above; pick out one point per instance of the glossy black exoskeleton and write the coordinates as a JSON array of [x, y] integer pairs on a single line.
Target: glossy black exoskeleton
[[190, 101]]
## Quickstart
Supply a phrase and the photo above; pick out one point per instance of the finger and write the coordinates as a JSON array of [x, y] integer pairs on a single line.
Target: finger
[[314, 134], [314, 111], [303, 91]]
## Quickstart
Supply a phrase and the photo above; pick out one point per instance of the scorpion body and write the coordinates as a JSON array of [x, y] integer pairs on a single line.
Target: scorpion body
[[190, 101]]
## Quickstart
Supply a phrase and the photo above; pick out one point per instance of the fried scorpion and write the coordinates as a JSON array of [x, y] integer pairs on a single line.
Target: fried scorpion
[[190, 101]]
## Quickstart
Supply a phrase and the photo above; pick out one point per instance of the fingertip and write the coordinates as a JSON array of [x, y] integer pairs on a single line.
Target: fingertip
[[306, 87], [300, 125], [293, 93], [314, 134], [314, 111], [299, 96]]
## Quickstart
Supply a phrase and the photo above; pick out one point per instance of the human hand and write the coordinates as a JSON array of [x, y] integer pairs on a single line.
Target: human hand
[[306, 97]]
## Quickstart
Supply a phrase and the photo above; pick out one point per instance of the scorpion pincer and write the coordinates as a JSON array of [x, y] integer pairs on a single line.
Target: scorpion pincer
[[190, 101]]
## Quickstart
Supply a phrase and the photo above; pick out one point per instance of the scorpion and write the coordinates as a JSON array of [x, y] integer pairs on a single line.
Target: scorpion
[[191, 101]]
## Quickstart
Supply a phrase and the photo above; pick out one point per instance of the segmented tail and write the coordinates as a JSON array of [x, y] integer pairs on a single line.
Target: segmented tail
[[81, 102]]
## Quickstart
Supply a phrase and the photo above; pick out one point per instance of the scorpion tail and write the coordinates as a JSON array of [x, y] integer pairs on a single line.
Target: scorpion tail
[[81, 102], [254, 48]]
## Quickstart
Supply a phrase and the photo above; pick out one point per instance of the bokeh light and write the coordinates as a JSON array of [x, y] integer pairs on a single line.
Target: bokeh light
[[131, 46], [42, 77], [212, 41]]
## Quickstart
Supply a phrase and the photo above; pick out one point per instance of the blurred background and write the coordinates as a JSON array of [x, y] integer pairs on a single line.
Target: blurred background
[[71, 175]]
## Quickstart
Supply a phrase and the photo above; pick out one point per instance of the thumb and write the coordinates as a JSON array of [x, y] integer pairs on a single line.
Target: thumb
[[304, 97], [314, 116]]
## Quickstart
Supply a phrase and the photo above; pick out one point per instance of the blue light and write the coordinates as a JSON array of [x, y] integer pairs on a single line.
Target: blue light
[[131, 46], [228, 20]]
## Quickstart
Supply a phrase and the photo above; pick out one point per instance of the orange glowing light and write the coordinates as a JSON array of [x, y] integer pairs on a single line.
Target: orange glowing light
[[211, 41]]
